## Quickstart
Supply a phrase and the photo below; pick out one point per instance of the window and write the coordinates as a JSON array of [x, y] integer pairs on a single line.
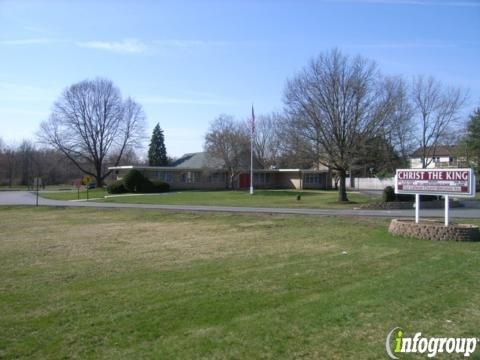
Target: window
[[262, 178], [191, 177], [216, 177], [164, 176], [312, 179], [167, 177], [436, 159]]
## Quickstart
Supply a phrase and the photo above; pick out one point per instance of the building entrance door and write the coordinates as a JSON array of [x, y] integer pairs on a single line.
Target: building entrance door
[[244, 181]]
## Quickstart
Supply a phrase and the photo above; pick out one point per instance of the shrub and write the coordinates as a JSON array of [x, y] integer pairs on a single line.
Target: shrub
[[133, 181], [161, 186], [411, 198], [145, 186], [428, 197], [116, 188], [405, 197], [388, 194], [148, 186]]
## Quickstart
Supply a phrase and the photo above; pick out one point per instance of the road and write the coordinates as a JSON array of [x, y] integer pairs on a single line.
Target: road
[[28, 198]]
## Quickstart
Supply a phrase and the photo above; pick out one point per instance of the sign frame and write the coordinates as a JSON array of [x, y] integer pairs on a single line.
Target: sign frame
[[471, 188], [471, 183]]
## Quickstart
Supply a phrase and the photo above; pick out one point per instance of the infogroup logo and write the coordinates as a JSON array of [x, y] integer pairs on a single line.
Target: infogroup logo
[[397, 343]]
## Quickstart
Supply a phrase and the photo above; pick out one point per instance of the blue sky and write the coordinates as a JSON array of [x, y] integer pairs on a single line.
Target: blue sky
[[188, 61]]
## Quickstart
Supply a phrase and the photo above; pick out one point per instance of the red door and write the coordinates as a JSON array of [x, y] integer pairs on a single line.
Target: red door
[[244, 181]]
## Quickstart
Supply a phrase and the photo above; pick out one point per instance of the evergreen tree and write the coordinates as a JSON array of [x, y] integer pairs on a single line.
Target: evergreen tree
[[473, 132], [157, 153]]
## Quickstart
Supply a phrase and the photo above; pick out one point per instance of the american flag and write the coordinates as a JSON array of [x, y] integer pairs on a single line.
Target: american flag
[[253, 121]]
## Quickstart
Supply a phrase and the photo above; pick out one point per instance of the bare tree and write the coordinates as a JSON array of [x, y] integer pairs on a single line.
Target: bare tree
[[400, 130], [90, 122], [9, 164], [336, 101], [229, 141], [266, 140], [10, 157], [26, 161], [130, 157], [296, 151], [437, 108]]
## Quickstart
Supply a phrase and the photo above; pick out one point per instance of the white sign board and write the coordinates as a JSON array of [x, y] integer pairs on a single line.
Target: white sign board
[[455, 182], [37, 181]]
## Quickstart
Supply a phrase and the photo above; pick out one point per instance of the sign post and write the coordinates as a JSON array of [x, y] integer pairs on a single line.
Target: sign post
[[440, 182], [417, 208], [78, 184], [87, 180], [447, 209], [37, 182]]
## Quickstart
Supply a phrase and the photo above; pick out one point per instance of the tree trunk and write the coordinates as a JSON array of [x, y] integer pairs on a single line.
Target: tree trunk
[[342, 190], [99, 181], [232, 180], [98, 176]]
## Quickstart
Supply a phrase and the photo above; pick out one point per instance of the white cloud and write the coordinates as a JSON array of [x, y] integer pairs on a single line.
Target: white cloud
[[128, 45], [175, 100], [19, 92], [411, 2], [125, 46], [405, 45], [30, 41], [14, 111], [175, 43], [190, 97], [133, 45]]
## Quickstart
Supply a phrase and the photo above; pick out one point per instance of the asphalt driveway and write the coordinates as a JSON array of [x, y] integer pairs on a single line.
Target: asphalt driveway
[[28, 198]]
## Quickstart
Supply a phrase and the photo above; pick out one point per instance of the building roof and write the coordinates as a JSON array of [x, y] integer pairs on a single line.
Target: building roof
[[441, 150], [199, 160]]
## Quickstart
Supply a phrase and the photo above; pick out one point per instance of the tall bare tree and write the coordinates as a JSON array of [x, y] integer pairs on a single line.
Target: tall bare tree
[[400, 129], [26, 154], [9, 163], [90, 122], [266, 140], [229, 141], [295, 150], [336, 101], [437, 108]]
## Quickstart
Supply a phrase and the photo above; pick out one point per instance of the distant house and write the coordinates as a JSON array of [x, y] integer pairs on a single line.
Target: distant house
[[199, 171], [442, 156]]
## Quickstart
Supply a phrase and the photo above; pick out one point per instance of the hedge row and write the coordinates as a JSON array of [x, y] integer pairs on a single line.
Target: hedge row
[[389, 196], [135, 182]]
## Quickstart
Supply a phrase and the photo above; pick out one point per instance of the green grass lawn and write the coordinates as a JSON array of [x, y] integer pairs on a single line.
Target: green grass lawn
[[131, 283], [261, 198]]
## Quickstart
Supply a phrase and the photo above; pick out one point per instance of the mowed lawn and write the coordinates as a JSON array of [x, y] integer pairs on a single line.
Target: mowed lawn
[[261, 198], [131, 283]]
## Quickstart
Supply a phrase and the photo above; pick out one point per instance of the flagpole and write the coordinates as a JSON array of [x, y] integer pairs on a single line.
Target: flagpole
[[251, 152]]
